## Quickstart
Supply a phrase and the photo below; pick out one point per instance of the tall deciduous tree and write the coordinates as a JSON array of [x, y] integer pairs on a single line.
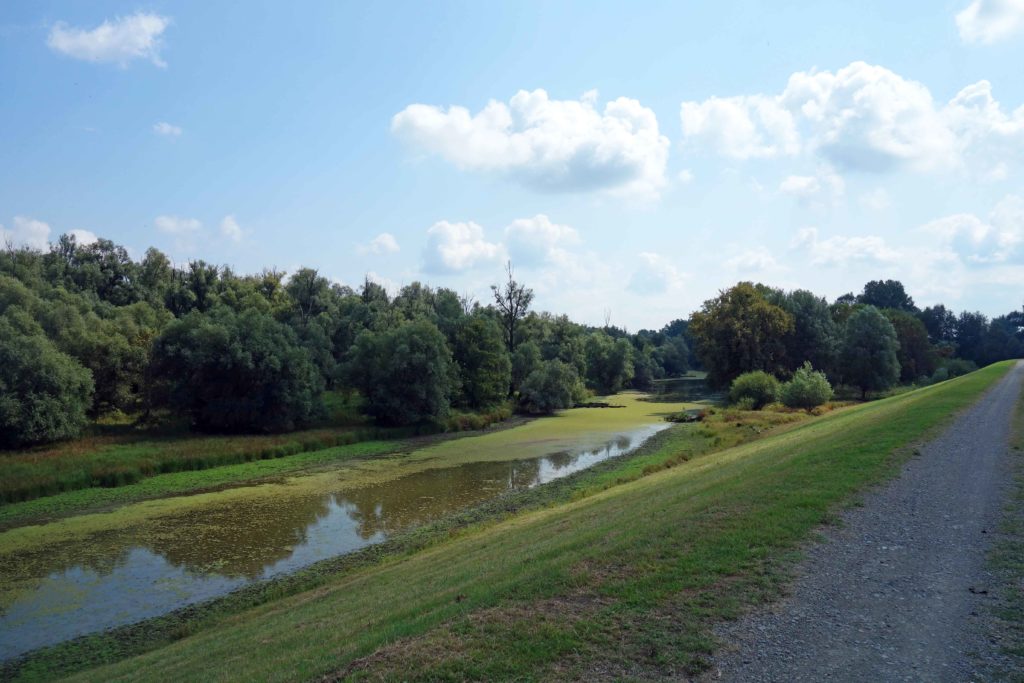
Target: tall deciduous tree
[[485, 368], [740, 331], [405, 373], [868, 358], [887, 294]]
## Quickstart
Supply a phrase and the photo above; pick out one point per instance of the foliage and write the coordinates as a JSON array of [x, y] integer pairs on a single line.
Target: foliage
[[887, 294], [757, 386], [405, 373], [807, 389], [915, 353], [868, 356], [234, 372], [483, 362], [554, 385], [609, 362], [44, 393], [512, 301], [740, 331]]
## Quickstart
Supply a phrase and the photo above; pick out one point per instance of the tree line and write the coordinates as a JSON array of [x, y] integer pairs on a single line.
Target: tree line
[[88, 332]]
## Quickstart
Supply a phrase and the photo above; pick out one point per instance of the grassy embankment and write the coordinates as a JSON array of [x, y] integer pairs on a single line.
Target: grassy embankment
[[624, 582], [1007, 560]]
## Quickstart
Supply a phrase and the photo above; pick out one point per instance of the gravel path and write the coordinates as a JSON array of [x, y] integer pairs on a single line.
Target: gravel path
[[899, 592]]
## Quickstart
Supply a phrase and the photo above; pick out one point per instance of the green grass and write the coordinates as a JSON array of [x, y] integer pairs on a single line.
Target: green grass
[[1007, 561], [625, 582], [179, 483]]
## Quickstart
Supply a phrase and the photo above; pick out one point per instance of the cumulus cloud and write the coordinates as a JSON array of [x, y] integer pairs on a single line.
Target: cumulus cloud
[[384, 243], [758, 259], [977, 241], [655, 275], [456, 247], [546, 144], [230, 228], [166, 129], [861, 117], [989, 21], [175, 225], [742, 127], [26, 232], [685, 176], [532, 241], [84, 237], [841, 251], [117, 42]]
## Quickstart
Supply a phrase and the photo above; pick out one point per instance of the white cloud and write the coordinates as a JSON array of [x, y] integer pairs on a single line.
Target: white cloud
[[861, 117], [685, 176], [384, 243], [757, 259], [532, 241], [456, 247], [119, 41], [166, 129], [876, 200], [977, 241], [84, 237], [655, 275], [230, 228], [741, 127], [551, 145], [175, 225], [26, 232], [989, 21], [841, 251]]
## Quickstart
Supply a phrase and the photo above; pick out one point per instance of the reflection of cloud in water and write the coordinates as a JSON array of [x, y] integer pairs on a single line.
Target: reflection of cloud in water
[[118, 577]]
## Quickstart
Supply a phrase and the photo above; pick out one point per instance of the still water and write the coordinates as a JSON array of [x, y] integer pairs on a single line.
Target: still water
[[109, 577]]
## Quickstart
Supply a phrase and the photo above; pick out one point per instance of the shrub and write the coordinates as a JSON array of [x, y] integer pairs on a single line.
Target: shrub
[[958, 366], [745, 403], [808, 389], [760, 387], [552, 386], [940, 375]]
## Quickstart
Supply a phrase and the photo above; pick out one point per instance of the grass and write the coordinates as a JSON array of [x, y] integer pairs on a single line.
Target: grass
[[622, 583], [1007, 561], [120, 455]]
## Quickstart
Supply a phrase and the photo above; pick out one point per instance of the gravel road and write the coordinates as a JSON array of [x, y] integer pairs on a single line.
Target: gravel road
[[898, 592]]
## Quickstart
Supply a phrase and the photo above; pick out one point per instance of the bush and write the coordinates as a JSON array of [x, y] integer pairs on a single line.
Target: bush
[[808, 389], [958, 366], [745, 403], [940, 375], [553, 386], [760, 387]]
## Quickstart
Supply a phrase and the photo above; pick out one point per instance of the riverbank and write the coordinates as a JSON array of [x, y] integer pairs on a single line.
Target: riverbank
[[625, 582], [722, 430]]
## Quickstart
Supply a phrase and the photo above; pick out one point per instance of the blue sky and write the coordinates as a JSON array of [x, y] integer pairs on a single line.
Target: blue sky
[[631, 157]]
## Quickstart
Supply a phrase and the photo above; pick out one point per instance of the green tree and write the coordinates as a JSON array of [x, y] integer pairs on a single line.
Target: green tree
[[513, 301], [609, 362], [868, 357], [232, 372], [740, 331], [554, 385], [887, 294], [525, 359], [807, 389], [485, 369], [915, 354], [44, 394], [815, 336], [405, 373]]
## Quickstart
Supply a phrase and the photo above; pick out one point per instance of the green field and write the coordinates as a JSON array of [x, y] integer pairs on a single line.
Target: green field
[[625, 582]]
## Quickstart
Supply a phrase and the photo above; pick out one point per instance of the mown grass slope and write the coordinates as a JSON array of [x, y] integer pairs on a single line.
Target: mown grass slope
[[625, 582]]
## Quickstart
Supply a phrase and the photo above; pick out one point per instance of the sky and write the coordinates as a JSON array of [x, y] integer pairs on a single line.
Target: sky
[[629, 159]]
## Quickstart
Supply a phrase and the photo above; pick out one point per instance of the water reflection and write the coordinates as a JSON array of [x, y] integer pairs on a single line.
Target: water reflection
[[117, 577]]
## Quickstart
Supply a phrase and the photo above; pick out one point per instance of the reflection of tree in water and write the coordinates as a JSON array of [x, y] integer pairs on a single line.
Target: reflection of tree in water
[[425, 496]]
